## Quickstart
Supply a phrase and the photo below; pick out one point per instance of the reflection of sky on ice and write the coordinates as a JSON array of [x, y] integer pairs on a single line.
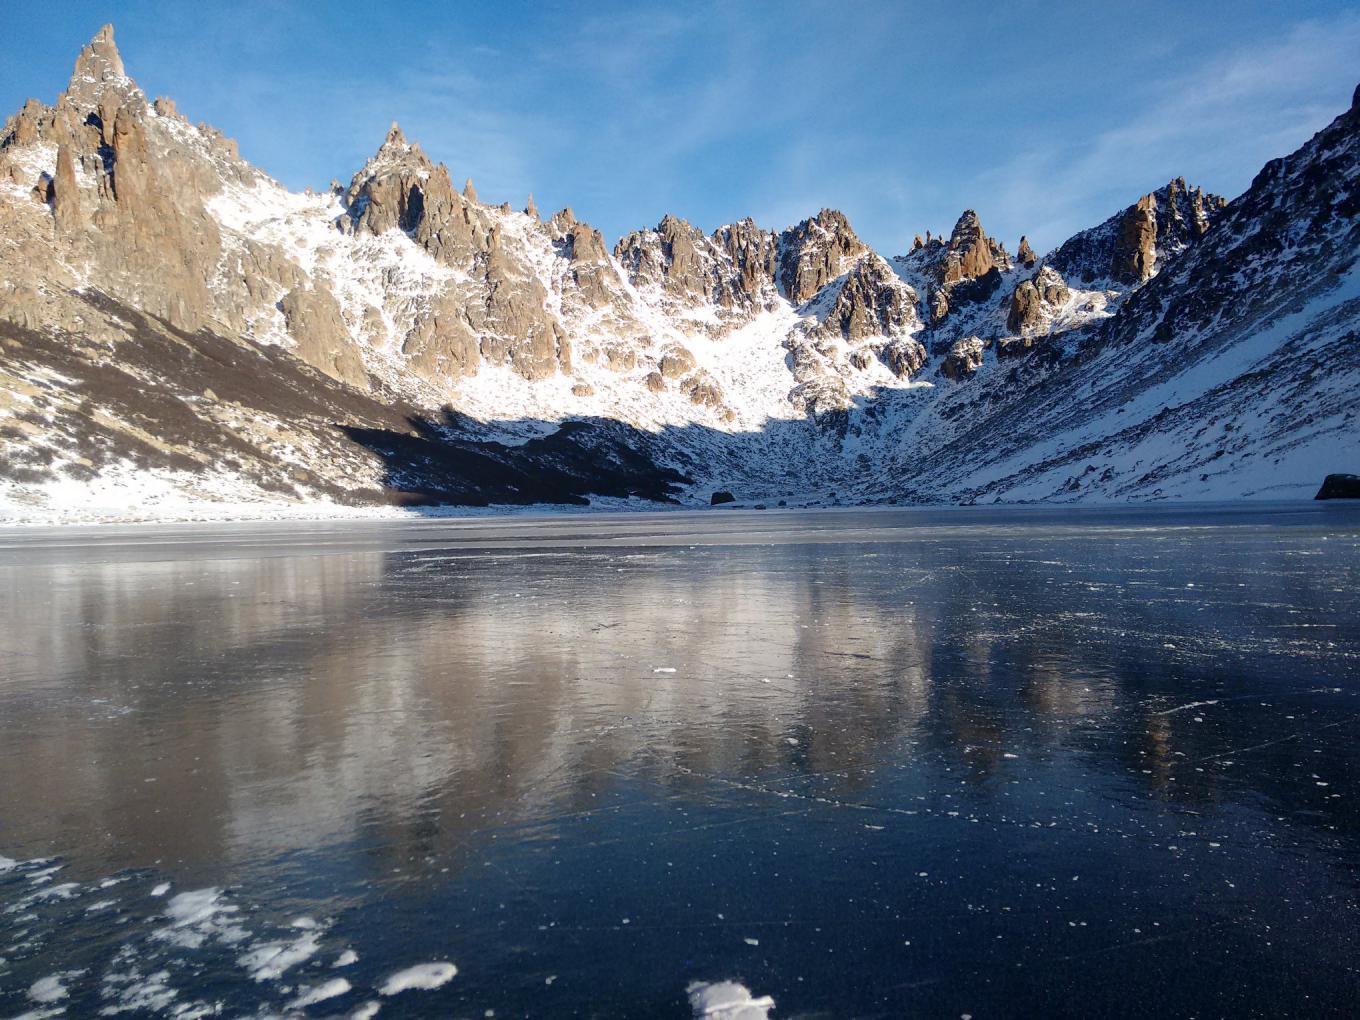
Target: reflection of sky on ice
[[849, 765]]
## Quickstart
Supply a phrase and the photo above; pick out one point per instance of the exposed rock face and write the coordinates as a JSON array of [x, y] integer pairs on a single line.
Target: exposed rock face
[[1132, 246], [1034, 301], [904, 357], [65, 197], [442, 344], [1135, 253], [740, 268], [591, 269], [966, 270], [675, 362], [313, 319], [674, 257], [401, 189], [732, 270], [1015, 346], [702, 389], [752, 254], [872, 302], [505, 303], [964, 358], [1024, 254], [971, 253], [815, 252], [98, 68]]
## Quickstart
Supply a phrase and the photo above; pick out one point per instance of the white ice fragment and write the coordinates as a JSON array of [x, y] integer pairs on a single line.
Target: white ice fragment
[[727, 1000], [269, 961], [65, 891], [664, 669], [193, 907], [367, 1011], [48, 989], [423, 976], [7, 864], [346, 958], [326, 990], [161, 889], [751, 942]]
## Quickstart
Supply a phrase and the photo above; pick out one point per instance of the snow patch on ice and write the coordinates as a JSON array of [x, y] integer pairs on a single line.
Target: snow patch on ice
[[727, 1000], [423, 977], [327, 990], [48, 989], [269, 962]]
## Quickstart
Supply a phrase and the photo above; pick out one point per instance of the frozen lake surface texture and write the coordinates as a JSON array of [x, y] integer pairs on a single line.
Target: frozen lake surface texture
[[1026, 762]]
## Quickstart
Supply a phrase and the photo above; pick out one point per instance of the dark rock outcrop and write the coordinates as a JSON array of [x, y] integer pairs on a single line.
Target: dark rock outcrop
[[1034, 301], [1340, 486], [964, 358]]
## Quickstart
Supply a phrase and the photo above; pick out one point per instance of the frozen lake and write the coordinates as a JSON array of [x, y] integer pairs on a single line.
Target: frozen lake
[[869, 763]]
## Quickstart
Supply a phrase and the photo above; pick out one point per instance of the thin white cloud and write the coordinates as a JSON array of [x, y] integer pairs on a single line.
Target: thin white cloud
[[1217, 126]]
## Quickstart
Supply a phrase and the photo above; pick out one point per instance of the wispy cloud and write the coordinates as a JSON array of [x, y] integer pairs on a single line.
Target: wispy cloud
[[1216, 126]]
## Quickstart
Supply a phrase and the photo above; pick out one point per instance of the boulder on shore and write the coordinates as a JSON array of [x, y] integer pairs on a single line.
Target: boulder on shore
[[720, 497], [1339, 487]]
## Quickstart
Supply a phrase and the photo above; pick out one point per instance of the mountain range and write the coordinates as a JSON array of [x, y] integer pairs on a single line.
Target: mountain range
[[180, 335]]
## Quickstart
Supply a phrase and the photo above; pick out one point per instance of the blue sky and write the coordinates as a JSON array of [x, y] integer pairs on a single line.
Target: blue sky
[[1045, 117]]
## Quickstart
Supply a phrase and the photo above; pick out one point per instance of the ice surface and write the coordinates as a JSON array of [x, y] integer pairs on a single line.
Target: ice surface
[[447, 738]]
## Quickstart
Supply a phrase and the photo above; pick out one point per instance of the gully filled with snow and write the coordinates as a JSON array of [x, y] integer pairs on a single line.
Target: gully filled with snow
[[845, 763]]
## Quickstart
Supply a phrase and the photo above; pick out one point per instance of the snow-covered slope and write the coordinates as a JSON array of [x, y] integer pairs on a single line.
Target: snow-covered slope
[[179, 330]]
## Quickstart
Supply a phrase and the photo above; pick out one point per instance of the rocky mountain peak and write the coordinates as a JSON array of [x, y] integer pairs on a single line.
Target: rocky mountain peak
[[815, 252], [98, 67], [970, 253], [1024, 254], [1132, 246]]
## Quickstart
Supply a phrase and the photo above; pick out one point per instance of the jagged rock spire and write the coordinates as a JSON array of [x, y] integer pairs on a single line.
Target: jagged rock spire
[[530, 209], [99, 66], [65, 197], [469, 192], [970, 250], [101, 59], [395, 136], [1024, 254]]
